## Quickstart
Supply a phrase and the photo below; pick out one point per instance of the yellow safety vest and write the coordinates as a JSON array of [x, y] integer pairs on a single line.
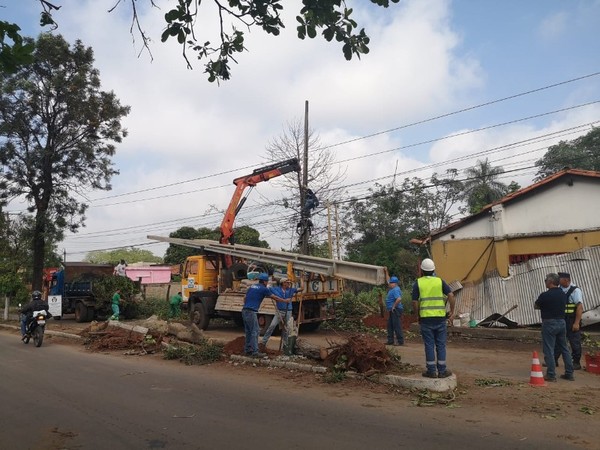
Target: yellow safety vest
[[570, 307], [431, 297]]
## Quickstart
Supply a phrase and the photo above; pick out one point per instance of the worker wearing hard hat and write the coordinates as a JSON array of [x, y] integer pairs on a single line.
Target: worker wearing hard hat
[[430, 294], [393, 304], [254, 296]]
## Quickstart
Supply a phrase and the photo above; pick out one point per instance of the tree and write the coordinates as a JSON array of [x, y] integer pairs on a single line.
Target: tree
[[331, 17], [14, 50], [323, 179], [131, 255], [383, 223], [58, 128], [176, 254], [481, 187], [580, 153]]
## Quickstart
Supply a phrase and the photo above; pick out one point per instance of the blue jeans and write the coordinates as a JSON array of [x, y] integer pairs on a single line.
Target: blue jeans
[[394, 327], [251, 328], [434, 338], [285, 315], [24, 319], [554, 334]]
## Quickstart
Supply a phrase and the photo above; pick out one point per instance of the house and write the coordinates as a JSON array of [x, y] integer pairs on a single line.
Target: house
[[500, 256], [559, 214]]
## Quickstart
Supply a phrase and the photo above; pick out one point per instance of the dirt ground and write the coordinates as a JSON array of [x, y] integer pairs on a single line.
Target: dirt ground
[[493, 382]]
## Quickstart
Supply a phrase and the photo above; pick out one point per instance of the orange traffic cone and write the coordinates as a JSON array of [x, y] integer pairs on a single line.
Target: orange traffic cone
[[537, 377]]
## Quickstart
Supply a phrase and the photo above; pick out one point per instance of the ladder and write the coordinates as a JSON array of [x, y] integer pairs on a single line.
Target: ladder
[[364, 273]]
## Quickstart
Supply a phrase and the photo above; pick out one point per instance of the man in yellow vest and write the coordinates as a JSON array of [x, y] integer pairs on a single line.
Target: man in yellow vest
[[429, 295]]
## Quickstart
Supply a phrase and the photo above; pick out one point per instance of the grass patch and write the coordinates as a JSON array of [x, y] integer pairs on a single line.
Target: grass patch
[[199, 354]]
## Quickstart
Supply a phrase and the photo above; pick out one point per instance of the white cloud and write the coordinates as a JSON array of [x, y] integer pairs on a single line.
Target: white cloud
[[553, 26]]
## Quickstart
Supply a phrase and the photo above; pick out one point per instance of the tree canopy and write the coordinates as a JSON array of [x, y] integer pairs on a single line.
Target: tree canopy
[[482, 186], [383, 223], [331, 18], [176, 254], [580, 153], [130, 255], [58, 130]]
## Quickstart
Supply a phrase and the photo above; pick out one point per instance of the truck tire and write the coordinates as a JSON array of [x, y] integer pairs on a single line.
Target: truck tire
[[81, 313], [91, 312], [199, 316], [264, 320], [238, 320]]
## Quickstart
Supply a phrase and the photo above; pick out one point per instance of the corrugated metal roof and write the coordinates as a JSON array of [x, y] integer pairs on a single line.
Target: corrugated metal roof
[[495, 294]]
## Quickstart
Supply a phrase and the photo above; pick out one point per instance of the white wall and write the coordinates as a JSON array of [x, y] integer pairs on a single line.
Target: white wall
[[558, 208]]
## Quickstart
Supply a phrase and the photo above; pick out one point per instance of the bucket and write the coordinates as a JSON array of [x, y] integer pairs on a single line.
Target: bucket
[[592, 363], [472, 323]]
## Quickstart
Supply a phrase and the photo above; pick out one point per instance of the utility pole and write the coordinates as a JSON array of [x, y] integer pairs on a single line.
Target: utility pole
[[304, 213], [329, 230]]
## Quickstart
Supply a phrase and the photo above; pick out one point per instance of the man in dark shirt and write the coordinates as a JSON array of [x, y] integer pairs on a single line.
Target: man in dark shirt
[[36, 304], [552, 305]]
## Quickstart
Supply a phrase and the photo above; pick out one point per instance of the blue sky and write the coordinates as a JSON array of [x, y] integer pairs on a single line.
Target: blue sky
[[428, 58]]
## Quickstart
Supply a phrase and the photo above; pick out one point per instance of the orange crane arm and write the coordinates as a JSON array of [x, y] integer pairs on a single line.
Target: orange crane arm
[[241, 183]]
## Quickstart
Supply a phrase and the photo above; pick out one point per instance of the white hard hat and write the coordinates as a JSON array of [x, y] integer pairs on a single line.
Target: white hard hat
[[427, 265]]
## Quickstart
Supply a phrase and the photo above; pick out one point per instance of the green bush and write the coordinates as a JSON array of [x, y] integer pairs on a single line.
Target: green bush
[[203, 353], [151, 307]]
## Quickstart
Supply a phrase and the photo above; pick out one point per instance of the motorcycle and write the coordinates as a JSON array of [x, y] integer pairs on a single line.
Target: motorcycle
[[35, 328]]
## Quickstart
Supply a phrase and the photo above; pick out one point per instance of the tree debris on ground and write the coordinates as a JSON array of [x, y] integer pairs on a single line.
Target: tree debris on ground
[[362, 353]]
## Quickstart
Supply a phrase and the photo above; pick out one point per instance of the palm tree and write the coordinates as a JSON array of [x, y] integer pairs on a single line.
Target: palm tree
[[482, 187]]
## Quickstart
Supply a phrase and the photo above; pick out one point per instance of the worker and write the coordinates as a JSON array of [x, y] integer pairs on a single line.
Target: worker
[[552, 304], [120, 269], [254, 296], [175, 305], [393, 303], [573, 313], [284, 310], [430, 295], [116, 298]]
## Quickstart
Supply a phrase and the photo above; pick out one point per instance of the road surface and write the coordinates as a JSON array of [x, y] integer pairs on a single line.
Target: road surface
[[62, 397]]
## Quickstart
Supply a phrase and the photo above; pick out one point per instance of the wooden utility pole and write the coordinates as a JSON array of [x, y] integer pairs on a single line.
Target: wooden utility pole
[[329, 230]]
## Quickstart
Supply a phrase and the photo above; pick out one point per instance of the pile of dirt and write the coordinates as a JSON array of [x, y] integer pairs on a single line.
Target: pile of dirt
[[376, 321], [114, 338], [236, 347], [362, 353]]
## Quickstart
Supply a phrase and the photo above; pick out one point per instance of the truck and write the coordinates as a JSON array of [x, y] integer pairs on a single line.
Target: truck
[[74, 283], [214, 281]]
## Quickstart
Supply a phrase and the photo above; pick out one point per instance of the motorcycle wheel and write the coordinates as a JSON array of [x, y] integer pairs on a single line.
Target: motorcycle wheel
[[38, 336]]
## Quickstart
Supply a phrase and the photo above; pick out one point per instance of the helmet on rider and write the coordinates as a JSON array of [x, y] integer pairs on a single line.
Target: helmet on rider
[[36, 295]]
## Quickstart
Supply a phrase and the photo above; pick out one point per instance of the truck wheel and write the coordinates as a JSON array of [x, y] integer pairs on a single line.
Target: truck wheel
[[238, 320], [81, 313], [199, 316], [91, 312]]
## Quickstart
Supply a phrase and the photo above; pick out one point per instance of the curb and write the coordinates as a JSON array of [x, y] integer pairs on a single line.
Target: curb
[[430, 384], [48, 332]]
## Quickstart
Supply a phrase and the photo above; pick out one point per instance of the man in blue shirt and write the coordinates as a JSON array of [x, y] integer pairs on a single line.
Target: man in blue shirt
[[254, 296], [393, 304], [284, 310], [552, 304]]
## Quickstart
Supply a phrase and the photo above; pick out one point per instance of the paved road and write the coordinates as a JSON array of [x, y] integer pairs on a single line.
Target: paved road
[[61, 397]]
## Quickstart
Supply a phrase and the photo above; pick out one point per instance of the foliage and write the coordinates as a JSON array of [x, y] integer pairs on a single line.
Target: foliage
[[591, 345], [580, 153], [482, 187], [491, 382], [203, 353], [338, 372], [131, 255], [57, 129], [104, 288], [152, 307], [383, 223], [177, 254], [332, 18], [15, 51]]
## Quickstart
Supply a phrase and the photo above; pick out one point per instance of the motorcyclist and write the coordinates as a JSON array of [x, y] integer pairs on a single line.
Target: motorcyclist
[[36, 304]]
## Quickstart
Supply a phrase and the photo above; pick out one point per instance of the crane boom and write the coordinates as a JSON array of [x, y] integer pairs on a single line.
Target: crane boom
[[365, 273]]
